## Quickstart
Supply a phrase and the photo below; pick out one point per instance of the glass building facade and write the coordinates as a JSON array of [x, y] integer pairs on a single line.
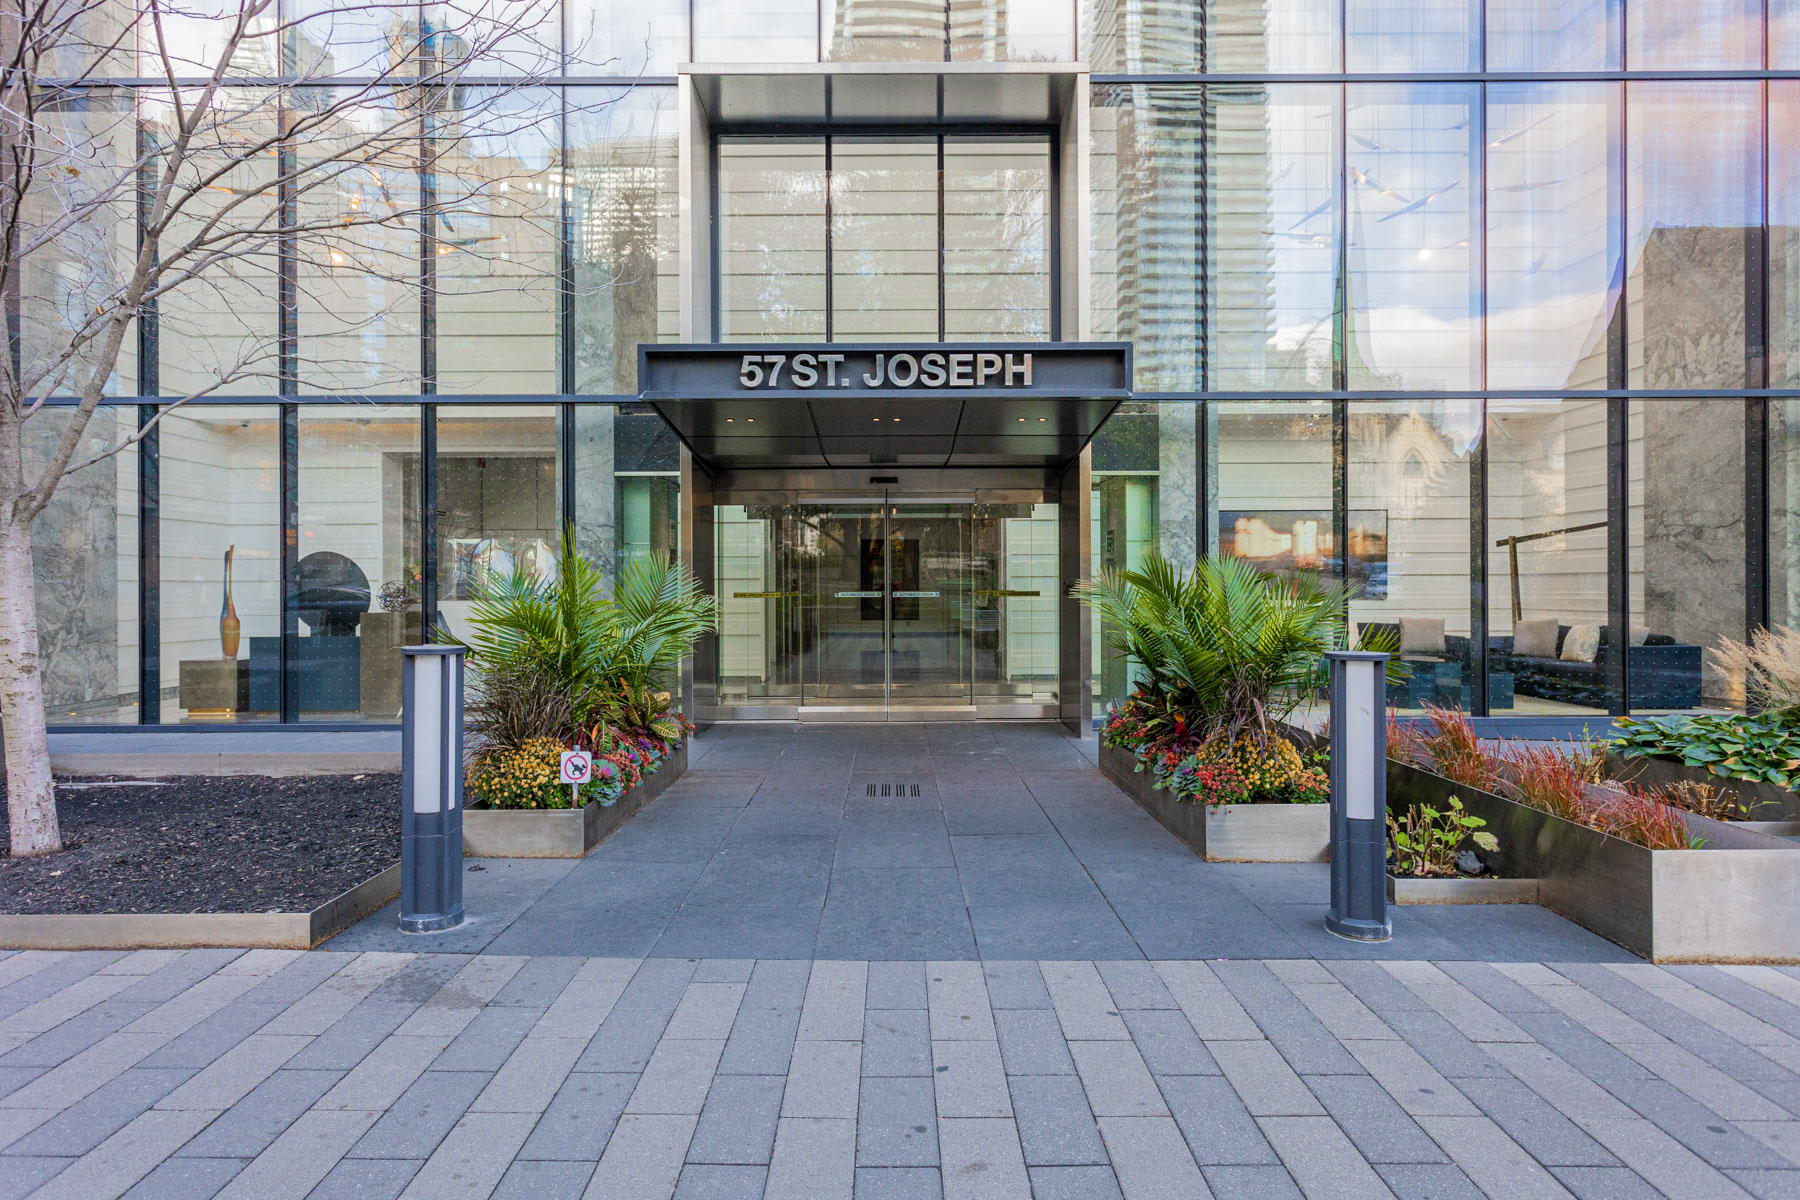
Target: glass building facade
[[1491, 308]]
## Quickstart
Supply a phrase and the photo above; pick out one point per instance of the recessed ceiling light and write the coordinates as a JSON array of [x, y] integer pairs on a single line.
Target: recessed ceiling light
[[751, 420], [875, 419], [729, 420], [1041, 420], [896, 420], [1021, 420]]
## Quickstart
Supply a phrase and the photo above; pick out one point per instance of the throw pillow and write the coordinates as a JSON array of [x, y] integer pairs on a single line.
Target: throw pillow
[[1535, 639], [1421, 635], [1640, 634], [1582, 644]]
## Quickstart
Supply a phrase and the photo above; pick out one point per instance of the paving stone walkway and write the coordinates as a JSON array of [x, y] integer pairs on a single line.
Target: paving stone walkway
[[927, 841], [265, 1075]]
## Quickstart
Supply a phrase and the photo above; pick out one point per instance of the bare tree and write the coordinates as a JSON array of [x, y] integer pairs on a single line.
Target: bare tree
[[265, 153]]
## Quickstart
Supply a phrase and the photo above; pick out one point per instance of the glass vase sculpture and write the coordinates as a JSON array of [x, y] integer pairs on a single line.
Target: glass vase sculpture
[[229, 625]]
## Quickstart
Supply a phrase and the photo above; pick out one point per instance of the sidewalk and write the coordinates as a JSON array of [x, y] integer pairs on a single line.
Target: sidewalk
[[275, 1074]]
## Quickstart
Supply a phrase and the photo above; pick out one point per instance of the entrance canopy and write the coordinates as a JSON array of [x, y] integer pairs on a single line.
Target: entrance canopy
[[838, 404]]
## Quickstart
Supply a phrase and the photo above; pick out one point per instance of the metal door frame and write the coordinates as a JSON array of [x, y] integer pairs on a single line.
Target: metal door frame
[[775, 486]]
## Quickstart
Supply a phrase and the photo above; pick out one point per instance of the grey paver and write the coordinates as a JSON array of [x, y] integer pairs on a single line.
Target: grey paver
[[236, 1073], [971, 1081], [385, 1073], [1373, 1120], [896, 1123], [1031, 1042], [186, 1179], [367, 1179], [1150, 1158], [897, 1041], [305, 1152], [542, 1179], [260, 1117], [79, 1128], [1263, 1079], [823, 1080], [896, 985], [418, 1121], [1168, 1043], [1604, 1183], [737, 1126], [957, 998], [1533, 1122], [677, 1077], [1074, 1183], [472, 1159], [1117, 1081], [1321, 1159], [702, 1181], [1492, 1160], [489, 1040], [1411, 1080], [1056, 1126], [982, 1159], [643, 1158], [124, 1158], [813, 1157], [581, 1117], [530, 1078], [899, 1183], [1218, 1128], [1428, 1181]]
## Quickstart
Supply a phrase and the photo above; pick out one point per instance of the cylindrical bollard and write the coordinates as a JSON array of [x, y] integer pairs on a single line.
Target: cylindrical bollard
[[1359, 796], [431, 839]]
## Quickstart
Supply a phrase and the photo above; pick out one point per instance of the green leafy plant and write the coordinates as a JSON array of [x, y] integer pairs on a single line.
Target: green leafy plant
[[1222, 651], [1427, 840], [604, 650], [1759, 747]]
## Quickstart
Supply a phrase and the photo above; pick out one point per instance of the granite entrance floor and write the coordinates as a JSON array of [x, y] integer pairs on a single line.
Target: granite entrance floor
[[283, 1075], [949, 841]]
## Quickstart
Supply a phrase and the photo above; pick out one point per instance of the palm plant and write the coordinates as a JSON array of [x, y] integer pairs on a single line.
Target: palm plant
[[1222, 651], [608, 652]]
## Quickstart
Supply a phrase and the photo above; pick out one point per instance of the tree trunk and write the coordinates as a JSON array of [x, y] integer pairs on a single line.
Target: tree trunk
[[30, 797]]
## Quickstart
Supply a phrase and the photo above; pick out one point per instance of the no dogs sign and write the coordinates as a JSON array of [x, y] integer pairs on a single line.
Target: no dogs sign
[[577, 767]]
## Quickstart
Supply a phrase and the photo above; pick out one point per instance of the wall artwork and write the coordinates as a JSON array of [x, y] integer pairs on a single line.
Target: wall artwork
[[1301, 540]]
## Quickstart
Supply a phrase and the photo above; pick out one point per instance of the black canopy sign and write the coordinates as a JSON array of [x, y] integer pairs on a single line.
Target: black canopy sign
[[844, 370]]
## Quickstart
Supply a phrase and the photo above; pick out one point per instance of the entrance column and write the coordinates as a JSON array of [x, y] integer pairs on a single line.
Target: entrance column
[[698, 539], [1074, 538]]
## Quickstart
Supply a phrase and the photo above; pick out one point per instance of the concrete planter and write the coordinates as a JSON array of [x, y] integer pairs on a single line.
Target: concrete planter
[[1231, 832], [562, 832], [1775, 804], [1408, 890], [147, 931], [1729, 902]]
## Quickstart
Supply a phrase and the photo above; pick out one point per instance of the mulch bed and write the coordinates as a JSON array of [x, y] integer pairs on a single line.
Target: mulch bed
[[201, 844]]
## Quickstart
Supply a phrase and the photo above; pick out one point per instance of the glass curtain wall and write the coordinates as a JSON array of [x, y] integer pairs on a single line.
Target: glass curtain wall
[[891, 239], [355, 583], [219, 571]]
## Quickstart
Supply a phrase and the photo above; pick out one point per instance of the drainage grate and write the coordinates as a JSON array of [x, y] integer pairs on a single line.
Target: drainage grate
[[890, 789]]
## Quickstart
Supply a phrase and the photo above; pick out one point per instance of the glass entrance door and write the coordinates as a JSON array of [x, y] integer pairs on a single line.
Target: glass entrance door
[[884, 590], [886, 604]]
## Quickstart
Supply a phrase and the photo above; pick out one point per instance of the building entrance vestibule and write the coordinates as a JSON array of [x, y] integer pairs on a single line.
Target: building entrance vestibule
[[862, 605]]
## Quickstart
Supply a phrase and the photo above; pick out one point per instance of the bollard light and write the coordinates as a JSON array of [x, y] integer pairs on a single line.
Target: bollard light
[[1358, 796], [431, 740]]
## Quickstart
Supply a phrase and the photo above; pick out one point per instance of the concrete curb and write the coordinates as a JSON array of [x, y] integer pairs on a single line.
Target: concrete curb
[[146, 931], [157, 766], [1410, 890]]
